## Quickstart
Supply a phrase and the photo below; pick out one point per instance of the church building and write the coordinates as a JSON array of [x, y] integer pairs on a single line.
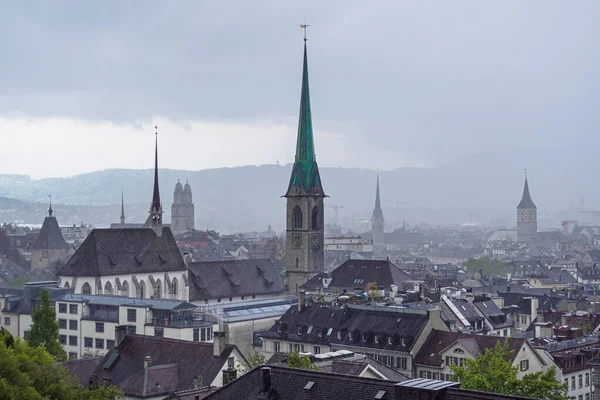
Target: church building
[[304, 208], [526, 217], [182, 209]]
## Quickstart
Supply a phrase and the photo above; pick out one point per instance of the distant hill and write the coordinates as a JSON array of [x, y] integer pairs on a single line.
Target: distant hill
[[248, 198]]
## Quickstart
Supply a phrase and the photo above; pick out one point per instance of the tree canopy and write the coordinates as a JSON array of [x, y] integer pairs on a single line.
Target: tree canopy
[[493, 372], [44, 328], [295, 360], [486, 265], [31, 373]]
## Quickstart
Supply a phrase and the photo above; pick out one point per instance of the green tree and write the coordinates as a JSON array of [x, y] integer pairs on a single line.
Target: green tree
[[295, 360], [254, 360], [492, 371], [486, 265], [31, 373], [44, 328]]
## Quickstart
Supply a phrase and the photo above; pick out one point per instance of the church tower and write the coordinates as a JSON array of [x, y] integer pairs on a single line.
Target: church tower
[[377, 223], [304, 209], [526, 217], [182, 209], [156, 211]]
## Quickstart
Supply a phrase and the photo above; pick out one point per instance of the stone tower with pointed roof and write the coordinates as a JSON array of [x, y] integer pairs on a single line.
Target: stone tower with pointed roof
[[304, 209], [526, 217], [50, 246], [182, 209], [377, 223]]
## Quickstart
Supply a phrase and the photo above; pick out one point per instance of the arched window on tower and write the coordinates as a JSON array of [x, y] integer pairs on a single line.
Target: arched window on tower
[[297, 215], [86, 288], [108, 289], [315, 218]]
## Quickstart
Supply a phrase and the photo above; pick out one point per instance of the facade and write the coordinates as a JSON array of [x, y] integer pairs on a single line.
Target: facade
[[526, 217], [378, 223], [50, 246], [182, 209], [442, 349], [344, 244], [390, 335], [304, 208]]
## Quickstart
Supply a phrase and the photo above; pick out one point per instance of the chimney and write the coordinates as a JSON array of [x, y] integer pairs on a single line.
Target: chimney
[[218, 343], [534, 308], [147, 362], [265, 379], [301, 300], [120, 333]]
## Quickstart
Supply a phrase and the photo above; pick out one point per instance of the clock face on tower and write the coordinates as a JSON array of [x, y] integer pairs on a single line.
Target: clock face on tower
[[296, 239]]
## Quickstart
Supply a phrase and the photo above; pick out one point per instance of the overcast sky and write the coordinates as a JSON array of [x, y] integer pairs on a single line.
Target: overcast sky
[[393, 83]]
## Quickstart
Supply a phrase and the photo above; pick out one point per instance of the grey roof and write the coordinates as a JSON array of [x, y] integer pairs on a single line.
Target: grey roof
[[231, 278], [526, 201], [122, 251], [50, 236], [157, 304], [493, 314], [358, 273]]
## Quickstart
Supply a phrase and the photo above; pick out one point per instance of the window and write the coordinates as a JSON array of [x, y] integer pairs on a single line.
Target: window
[[196, 335], [62, 308], [72, 356], [297, 216], [230, 362], [317, 350], [72, 340], [131, 329], [315, 217], [25, 334], [62, 339], [580, 397], [299, 330], [580, 381], [390, 339], [402, 364], [339, 335], [99, 343], [88, 342], [159, 332], [158, 289], [175, 289], [62, 323], [290, 348], [297, 348], [142, 289], [125, 289], [73, 325], [100, 327], [587, 396], [72, 308], [206, 334], [276, 347], [587, 379], [110, 344], [108, 288], [524, 365], [131, 314], [7, 321], [572, 383], [86, 288]]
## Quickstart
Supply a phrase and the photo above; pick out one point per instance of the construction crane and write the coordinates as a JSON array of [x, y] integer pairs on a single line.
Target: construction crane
[[565, 225], [336, 208]]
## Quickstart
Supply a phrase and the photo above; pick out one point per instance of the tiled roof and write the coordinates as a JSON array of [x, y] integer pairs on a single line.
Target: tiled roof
[[82, 368], [122, 251], [358, 273], [437, 341], [50, 237], [215, 279], [190, 358]]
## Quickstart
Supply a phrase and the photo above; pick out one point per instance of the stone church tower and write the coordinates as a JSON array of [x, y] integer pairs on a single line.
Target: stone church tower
[[526, 217], [304, 222], [377, 224], [182, 209]]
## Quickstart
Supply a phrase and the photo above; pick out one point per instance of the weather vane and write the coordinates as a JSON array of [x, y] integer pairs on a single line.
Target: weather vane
[[304, 26]]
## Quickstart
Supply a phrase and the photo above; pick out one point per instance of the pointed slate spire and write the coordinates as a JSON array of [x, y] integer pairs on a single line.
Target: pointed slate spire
[[305, 173], [377, 212], [122, 209], [156, 195], [526, 202]]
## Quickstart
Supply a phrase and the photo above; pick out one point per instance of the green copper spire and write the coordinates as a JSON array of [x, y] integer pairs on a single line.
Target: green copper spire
[[305, 148]]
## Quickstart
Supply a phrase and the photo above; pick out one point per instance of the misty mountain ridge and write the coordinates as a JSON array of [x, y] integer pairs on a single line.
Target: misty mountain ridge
[[480, 188]]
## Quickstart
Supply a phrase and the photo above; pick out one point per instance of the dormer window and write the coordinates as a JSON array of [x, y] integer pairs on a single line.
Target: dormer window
[[364, 337], [390, 340], [461, 351], [299, 330], [339, 335], [376, 339], [279, 328], [403, 342], [319, 332], [310, 329]]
